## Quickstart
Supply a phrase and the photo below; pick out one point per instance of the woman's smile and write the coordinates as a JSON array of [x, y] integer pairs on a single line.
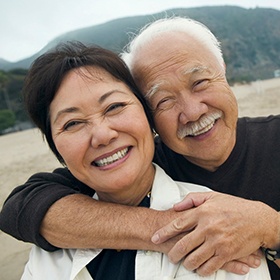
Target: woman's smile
[[95, 132], [114, 157]]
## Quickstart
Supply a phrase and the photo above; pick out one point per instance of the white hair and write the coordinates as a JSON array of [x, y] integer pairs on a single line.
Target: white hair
[[175, 24]]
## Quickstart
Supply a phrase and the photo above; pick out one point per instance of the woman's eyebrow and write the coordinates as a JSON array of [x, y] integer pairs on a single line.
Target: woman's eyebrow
[[109, 93], [65, 111], [106, 95], [76, 109]]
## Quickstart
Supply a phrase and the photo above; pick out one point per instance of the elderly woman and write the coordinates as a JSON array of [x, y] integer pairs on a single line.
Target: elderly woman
[[96, 122]]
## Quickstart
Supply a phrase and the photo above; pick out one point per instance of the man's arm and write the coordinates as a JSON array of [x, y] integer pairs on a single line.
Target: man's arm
[[24, 209], [54, 210], [73, 219], [96, 224], [105, 225]]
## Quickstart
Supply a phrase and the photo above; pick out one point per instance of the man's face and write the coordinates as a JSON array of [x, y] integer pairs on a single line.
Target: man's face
[[194, 109]]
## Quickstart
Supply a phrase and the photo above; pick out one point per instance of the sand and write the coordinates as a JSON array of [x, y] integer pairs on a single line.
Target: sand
[[24, 153]]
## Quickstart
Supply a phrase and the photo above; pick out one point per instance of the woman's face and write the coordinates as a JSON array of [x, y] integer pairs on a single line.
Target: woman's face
[[100, 129]]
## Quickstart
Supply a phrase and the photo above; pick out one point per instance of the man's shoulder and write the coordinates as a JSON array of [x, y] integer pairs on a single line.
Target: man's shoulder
[[60, 176], [271, 119], [260, 135], [267, 124]]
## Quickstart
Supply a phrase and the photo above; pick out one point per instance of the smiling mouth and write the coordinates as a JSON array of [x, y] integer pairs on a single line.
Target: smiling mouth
[[200, 127], [203, 130], [111, 159]]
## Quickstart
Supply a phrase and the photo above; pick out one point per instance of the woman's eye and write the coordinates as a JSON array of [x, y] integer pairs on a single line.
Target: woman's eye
[[115, 106], [70, 125]]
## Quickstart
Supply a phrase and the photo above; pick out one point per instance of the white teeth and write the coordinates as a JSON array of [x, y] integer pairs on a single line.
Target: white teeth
[[109, 160], [204, 129], [201, 126]]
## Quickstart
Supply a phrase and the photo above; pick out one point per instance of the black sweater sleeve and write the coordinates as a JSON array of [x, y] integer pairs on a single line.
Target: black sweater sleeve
[[25, 207]]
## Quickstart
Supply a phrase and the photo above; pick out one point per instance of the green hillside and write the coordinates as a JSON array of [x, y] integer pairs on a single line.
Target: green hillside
[[250, 40], [250, 37]]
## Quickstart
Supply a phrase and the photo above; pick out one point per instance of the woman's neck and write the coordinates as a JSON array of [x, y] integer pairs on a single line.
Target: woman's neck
[[133, 194]]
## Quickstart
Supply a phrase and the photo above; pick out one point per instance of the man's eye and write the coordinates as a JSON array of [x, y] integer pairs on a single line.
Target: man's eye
[[200, 84], [164, 103]]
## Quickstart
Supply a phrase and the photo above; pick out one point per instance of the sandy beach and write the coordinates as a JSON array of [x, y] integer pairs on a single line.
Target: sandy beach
[[24, 153]]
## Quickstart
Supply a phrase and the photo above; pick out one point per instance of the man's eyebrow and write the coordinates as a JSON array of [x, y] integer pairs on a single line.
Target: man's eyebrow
[[153, 90], [195, 69]]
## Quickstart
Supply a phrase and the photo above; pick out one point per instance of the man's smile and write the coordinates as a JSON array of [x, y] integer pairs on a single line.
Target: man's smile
[[203, 125]]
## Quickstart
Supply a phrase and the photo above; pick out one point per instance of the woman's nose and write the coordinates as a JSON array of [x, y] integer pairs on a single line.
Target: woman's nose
[[102, 135]]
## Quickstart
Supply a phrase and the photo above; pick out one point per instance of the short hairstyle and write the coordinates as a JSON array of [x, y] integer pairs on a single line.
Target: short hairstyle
[[47, 72], [174, 24]]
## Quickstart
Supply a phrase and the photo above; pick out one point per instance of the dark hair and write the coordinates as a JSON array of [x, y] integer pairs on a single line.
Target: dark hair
[[47, 72]]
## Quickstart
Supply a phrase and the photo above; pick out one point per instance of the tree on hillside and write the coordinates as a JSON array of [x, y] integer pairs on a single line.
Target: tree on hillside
[[11, 84], [4, 80], [7, 119]]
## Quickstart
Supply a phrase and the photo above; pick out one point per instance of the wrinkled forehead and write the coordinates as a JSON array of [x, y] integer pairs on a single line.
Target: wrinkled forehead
[[169, 54], [165, 80]]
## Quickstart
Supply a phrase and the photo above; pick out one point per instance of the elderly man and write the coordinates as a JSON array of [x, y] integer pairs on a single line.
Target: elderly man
[[178, 65], [195, 113]]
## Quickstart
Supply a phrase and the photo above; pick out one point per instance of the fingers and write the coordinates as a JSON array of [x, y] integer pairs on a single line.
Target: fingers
[[236, 267], [192, 200], [210, 266], [242, 265], [222, 229], [185, 223], [203, 256], [205, 261], [252, 261], [197, 258], [190, 248]]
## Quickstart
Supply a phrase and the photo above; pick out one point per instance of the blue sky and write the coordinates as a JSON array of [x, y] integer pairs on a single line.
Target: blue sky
[[26, 26]]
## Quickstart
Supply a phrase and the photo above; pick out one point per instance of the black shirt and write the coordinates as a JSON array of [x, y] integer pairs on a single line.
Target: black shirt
[[121, 264]]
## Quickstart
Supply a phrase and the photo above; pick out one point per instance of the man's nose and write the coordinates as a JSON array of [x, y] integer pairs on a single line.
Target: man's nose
[[191, 107]]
